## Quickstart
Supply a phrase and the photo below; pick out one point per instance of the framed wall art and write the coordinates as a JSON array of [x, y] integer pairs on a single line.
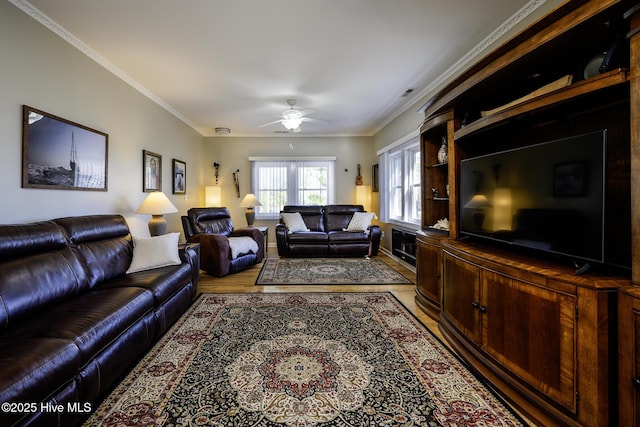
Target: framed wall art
[[151, 171], [62, 155], [179, 169]]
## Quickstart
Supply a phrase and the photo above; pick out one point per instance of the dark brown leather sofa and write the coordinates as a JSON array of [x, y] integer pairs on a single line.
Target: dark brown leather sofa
[[71, 321], [326, 236], [211, 228]]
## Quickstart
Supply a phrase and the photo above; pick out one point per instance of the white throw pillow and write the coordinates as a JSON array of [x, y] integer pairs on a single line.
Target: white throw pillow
[[294, 221], [360, 221], [154, 252]]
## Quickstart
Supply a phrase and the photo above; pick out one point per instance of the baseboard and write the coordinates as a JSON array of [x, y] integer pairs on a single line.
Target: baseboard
[[388, 253]]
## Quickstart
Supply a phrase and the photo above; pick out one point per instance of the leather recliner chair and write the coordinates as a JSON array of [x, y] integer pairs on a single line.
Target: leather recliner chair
[[212, 227]]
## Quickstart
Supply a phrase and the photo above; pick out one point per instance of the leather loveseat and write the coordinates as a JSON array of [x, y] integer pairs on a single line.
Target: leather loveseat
[[72, 322], [326, 234]]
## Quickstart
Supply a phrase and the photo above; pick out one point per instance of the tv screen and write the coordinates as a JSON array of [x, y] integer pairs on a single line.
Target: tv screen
[[548, 196]]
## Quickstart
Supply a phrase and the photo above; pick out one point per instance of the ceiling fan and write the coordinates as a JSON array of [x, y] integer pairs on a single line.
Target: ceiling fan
[[291, 118]]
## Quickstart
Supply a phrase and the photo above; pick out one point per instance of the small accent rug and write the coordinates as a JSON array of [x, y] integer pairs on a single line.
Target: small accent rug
[[300, 359], [328, 271]]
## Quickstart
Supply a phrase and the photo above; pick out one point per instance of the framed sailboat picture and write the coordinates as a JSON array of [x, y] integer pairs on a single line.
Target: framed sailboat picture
[[60, 154]]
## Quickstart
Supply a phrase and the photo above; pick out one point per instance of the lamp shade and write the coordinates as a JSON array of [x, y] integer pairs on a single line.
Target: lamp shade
[[213, 196], [249, 201], [156, 203], [478, 201]]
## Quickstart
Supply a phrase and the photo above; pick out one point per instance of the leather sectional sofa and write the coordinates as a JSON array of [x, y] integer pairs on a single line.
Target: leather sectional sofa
[[71, 320], [326, 235]]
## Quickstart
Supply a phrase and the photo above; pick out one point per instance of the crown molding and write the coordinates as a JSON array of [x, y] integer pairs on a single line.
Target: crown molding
[[470, 58]]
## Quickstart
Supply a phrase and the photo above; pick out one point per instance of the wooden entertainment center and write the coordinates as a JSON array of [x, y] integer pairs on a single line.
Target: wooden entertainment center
[[562, 348]]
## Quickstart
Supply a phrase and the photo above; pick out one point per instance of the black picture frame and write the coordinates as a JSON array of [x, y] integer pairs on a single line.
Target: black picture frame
[[151, 171], [59, 154], [570, 179], [179, 176]]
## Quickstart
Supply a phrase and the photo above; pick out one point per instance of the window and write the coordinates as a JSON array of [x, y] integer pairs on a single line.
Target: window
[[401, 186], [277, 183]]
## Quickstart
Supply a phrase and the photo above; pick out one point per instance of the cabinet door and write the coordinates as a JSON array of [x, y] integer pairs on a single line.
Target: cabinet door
[[428, 271], [531, 331], [461, 296], [629, 330]]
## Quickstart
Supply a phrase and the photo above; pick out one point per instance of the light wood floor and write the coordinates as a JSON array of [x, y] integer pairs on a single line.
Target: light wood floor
[[245, 282]]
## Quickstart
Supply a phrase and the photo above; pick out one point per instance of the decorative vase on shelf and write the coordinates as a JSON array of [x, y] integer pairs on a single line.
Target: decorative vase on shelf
[[443, 156]]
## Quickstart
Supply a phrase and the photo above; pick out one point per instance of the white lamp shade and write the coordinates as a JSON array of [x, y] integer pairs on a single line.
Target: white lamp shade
[[156, 203], [213, 196], [478, 201], [249, 201]]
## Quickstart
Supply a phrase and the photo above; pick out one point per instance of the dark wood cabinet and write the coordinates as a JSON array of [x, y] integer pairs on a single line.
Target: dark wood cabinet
[[542, 334], [429, 271], [562, 348], [629, 368]]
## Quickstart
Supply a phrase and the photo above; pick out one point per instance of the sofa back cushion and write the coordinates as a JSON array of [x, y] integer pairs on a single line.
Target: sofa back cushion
[[210, 221], [38, 269], [311, 215], [102, 243], [337, 217]]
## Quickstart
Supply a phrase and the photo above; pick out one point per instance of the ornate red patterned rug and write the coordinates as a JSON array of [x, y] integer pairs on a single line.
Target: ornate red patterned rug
[[328, 271], [300, 359]]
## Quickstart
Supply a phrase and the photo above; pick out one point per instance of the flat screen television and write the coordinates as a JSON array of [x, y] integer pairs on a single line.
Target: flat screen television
[[547, 197]]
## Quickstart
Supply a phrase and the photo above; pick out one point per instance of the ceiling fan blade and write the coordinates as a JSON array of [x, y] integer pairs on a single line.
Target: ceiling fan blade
[[310, 119], [270, 123]]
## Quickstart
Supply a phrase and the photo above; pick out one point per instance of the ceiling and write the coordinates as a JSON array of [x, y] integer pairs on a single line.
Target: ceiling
[[234, 63]]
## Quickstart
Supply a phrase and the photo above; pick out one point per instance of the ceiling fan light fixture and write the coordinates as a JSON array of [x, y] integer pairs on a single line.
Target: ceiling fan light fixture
[[291, 122]]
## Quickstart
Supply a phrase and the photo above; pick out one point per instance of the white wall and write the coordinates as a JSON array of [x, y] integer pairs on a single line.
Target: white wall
[[39, 69]]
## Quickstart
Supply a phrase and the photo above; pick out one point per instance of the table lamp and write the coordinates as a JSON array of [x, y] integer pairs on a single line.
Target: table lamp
[[249, 202], [157, 204]]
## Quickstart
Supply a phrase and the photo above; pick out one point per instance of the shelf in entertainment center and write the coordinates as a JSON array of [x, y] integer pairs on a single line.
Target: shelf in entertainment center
[[584, 87], [439, 165], [440, 199]]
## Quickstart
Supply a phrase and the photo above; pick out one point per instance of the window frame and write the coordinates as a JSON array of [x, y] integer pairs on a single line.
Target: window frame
[[295, 193]]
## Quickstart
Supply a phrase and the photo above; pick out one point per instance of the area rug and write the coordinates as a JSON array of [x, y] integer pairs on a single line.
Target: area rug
[[328, 271], [300, 359]]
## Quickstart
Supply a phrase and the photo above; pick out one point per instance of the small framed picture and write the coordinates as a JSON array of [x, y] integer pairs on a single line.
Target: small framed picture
[[151, 171], [62, 155], [179, 176]]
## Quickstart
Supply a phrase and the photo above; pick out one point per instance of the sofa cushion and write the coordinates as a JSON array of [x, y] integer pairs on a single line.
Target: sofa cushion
[[313, 216], [311, 237], [101, 242], [154, 252], [347, 237], [92, 320], [337, 217], [294, 222], [360, 221], [33, 368], [162, 282], [210, 220], [38, 270]]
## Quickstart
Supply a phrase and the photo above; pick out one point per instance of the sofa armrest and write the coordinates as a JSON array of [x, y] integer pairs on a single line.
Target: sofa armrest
[[190, 253], [215, 255], [256, 235], [282, 239], [375, 234]]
